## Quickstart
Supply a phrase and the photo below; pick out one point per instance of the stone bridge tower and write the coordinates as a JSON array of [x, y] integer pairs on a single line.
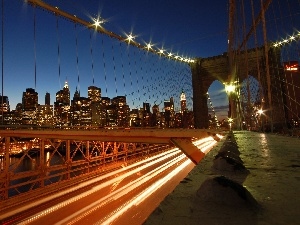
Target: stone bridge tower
[[207, 70]]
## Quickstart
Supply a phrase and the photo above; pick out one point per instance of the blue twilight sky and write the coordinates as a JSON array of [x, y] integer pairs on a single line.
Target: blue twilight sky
[[42, 51]]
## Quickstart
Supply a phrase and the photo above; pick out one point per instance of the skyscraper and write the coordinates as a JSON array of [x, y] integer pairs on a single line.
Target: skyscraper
[[182, 102], [63, 96], [47, 98], [30, 100], [4, 106], [94, 93]]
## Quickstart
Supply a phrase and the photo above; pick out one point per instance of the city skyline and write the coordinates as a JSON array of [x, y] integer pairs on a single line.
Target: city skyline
[[47, 99]]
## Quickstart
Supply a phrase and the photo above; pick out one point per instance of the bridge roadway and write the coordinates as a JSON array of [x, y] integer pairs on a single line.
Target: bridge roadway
[[181, 138], [117, 197]]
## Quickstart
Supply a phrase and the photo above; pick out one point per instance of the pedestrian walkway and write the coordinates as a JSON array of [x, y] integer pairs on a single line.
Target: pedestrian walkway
[[273, 179]]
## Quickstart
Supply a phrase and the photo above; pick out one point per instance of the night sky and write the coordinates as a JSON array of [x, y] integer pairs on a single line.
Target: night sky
[[59, 50]]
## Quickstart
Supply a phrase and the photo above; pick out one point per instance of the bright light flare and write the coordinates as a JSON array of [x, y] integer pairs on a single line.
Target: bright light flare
[[98, 22], [229, 88], [149, 46], [130, 38], [260, 111]]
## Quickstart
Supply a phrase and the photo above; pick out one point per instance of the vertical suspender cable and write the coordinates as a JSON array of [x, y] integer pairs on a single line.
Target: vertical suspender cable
[[2, 58], [104, 67], [92, 58], [130, 73], [137, 78], [114, 64], [297, 107], [77, 65], [267, 63], [58, 52], [256, 52], [247, 70], [123, 73], [34, 44]]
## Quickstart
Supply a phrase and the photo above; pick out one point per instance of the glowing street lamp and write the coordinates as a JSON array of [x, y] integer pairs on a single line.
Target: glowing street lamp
[[260, 111], [230, 121], [229, 88]]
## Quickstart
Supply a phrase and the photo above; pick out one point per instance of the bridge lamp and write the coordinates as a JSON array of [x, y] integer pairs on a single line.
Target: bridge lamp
[[149, 46], [230, 121], [229, 88], [98, 22], [161, 51], [260, 111], [130, 37]]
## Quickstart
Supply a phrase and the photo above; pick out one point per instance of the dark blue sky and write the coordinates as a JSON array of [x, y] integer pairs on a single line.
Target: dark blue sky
[[189, 28]]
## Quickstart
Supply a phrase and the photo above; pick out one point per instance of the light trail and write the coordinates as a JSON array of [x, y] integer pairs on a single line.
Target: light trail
[[121, 192], [142, 196], [157, 159]]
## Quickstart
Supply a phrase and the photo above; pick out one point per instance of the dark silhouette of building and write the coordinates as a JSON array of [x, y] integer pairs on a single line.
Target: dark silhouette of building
[[47, 98]]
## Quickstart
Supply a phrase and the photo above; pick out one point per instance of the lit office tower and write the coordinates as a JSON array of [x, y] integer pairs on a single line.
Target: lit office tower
[[62, 106], [30, 100], [146, 115], [94, 94], [63, 96], [121, 110], [183, 102], [4, 106], [47, 98]]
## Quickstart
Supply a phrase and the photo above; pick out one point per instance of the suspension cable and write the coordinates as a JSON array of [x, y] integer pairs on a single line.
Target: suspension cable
[[77, 60], [92, 58], [58, 52], [34, 44]]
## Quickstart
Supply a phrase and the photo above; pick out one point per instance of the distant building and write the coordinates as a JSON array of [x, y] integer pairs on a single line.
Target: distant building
[[156, 116], [62, 106], [182, 102], [29, 106], [169, 113], [80, 110], [45, 115], [47, 98], [146, 115], [94, 94], [63, 96], [291, 97], [4, 104], [135, 120], [29, 100], [121, 110]]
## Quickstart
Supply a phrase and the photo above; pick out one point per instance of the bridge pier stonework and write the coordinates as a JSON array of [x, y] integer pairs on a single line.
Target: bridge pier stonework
[[251, 62]]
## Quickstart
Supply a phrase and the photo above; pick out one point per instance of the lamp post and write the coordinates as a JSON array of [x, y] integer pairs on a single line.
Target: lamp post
[[230, 121], [230, 89], [260, 112]]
